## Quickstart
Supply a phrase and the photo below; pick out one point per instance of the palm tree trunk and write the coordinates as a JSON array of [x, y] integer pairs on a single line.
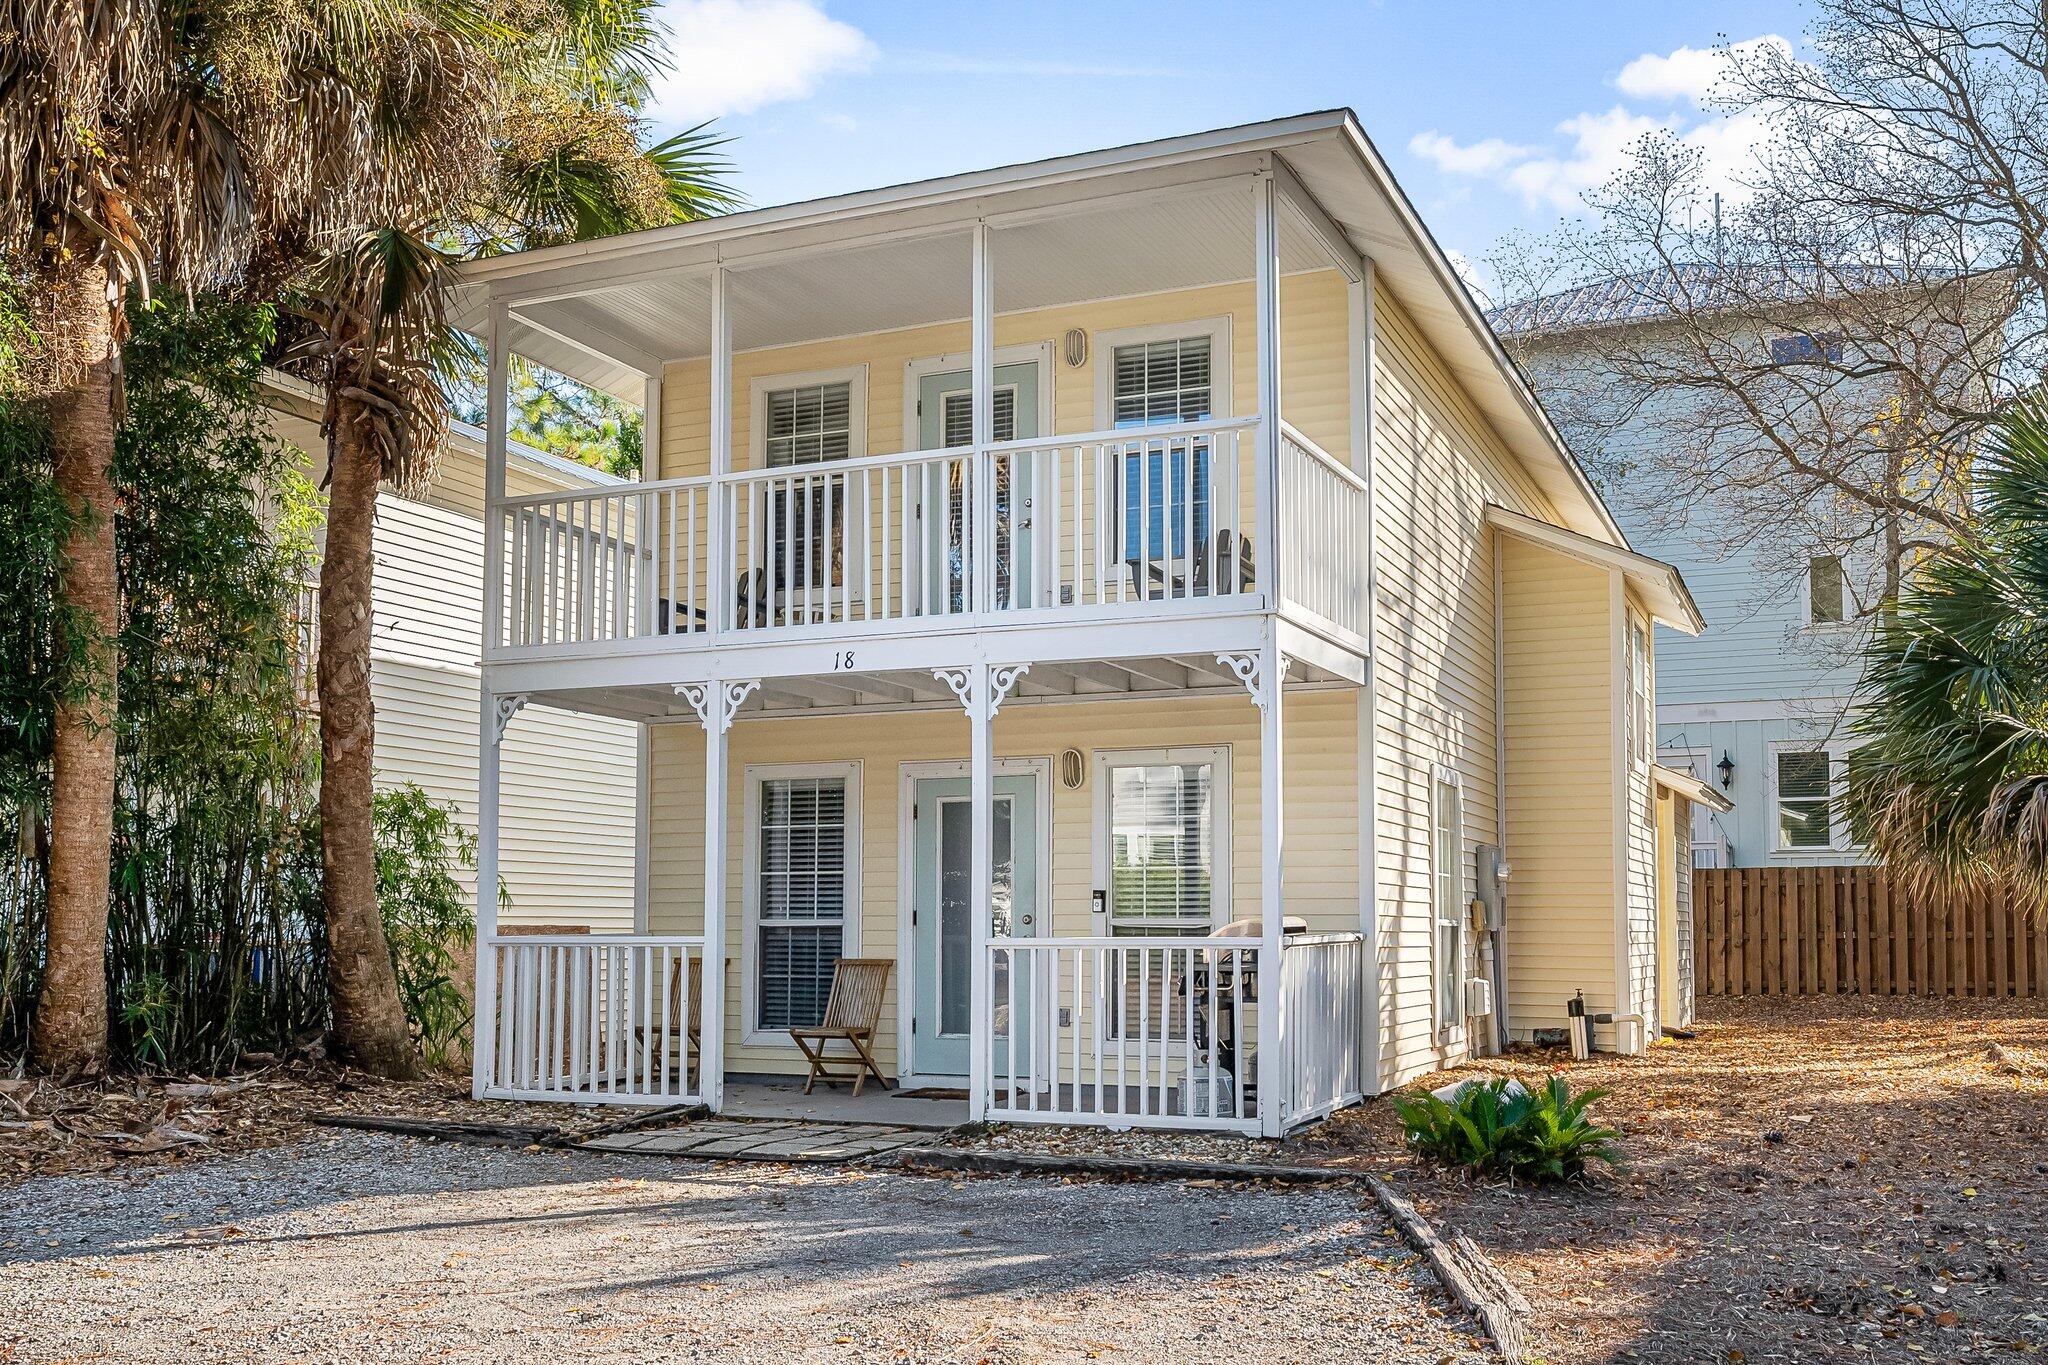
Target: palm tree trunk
[[70, 1035], [369, 1019]]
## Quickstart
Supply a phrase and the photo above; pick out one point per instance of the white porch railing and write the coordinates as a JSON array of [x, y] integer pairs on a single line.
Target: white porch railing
[[601, 1017], [1324, 506], [1111, 517], [1323, 988], [1123, 1032]]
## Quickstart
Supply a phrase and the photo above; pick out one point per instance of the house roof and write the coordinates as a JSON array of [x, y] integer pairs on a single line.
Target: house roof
[[655, 289], [1660, 585], [1650, 294]]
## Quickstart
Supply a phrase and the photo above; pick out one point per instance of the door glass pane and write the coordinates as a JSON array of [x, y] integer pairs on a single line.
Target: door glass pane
[[1160, 848], [956, 910]]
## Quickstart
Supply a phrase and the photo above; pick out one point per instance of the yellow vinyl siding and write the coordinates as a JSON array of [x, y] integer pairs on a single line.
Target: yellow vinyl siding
[[1312, 367], [1558, 637], [1322, 813], [1436, 466]]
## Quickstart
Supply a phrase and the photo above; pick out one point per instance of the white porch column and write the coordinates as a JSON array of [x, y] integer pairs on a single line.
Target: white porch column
[[982, 505], [647, 518], [981, 690], [722, 560], [715, 704], [1274, 1081], [1266, 307], [497, 417], [494, 713]]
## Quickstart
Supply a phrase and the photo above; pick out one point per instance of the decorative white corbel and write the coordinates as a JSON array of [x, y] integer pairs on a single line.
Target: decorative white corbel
[[1247, 671], [961, 683], [503, 709], [716, 703], [1000, 681]]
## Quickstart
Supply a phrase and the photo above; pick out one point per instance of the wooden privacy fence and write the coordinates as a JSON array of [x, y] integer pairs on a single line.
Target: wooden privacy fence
[[1857, 931]]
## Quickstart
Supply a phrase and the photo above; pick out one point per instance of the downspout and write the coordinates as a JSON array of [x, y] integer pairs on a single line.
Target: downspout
[[1494, 944]]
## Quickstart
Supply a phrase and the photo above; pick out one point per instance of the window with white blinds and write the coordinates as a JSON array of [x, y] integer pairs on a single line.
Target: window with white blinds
[[1162, 841], [956, 417], [1157, 382], [810, 423], [801, 898], [1154, 383], [1448, 857]]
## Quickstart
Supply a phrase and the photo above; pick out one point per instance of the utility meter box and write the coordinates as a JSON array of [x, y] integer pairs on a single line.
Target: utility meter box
[[1491, 883]]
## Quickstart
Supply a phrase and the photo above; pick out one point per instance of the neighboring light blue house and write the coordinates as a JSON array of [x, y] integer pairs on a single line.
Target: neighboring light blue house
[[1755, 706]]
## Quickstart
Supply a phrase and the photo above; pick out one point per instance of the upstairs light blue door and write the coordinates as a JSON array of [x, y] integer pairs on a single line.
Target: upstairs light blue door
[[942, 925], [945, 420]]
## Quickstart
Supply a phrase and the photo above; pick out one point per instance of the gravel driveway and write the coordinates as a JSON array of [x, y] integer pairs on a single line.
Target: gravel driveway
[[367, 1247]]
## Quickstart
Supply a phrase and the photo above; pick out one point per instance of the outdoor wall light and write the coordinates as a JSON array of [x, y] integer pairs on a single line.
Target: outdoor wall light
[[1726, 767]]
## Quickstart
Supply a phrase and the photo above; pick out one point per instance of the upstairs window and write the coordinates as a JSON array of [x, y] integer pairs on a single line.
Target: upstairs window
[[1827, 591], [809, 424], [1160, 383], [1790, 350]]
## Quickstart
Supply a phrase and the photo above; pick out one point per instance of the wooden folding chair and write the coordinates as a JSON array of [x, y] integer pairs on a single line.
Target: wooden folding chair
[[852, 1011], [694, 1030]]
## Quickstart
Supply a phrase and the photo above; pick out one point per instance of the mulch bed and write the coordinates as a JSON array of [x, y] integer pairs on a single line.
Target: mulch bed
[[1807, 1180], [127, 1121]]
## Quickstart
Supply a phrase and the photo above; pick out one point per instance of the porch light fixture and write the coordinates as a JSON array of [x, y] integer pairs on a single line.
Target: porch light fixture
[[1726, 767], [1075, 348], [1073, 770]]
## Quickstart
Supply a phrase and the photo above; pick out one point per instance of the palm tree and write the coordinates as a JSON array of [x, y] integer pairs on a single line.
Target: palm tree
[[549, 151], [122, 163], [1952, 786]]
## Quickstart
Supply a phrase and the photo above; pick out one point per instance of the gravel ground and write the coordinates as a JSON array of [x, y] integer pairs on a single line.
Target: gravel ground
[[369, 1247]]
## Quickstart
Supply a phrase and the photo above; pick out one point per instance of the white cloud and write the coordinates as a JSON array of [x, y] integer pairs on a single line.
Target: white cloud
[[1599, 148], [1592, 146], [735, 56], [1484, 157], [1689, 73]]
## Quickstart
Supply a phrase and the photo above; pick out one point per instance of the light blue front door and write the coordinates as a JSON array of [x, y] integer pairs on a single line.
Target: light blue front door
[[941, 922], [945, 420]]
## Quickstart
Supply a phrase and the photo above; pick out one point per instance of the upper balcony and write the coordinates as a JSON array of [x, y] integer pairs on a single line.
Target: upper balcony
[[1116, 403]]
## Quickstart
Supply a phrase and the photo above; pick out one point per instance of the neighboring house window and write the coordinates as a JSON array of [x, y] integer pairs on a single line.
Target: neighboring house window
[[1789, 350], [1805, 812], [1158, 382], [1448, 858], [1162, 811], [1827, 591], [803, 900], [1809, 784]]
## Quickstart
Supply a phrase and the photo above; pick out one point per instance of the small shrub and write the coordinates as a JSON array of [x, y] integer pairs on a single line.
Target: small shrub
[[427, 919], [1539, 1136]]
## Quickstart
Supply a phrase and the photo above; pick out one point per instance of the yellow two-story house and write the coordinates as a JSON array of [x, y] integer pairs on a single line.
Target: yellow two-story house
[[1133, 594]]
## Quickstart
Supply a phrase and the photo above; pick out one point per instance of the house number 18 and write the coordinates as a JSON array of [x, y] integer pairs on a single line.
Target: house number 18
[[842, 660]]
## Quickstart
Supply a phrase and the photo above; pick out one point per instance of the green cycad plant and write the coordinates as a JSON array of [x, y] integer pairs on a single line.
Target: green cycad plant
[[1950, 787], [1505, 1132]]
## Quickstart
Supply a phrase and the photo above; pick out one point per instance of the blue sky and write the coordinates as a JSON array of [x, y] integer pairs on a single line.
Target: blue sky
[[1493, 115]]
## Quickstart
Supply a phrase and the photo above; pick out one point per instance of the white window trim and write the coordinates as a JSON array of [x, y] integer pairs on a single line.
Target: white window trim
[[1445, 1023], [1839, 840], [914, 373], [1102, 356], [1217, 755], [855, 377], [750, 914]]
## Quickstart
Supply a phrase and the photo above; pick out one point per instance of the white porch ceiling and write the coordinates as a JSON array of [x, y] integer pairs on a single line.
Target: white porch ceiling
[[1184, 241]]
